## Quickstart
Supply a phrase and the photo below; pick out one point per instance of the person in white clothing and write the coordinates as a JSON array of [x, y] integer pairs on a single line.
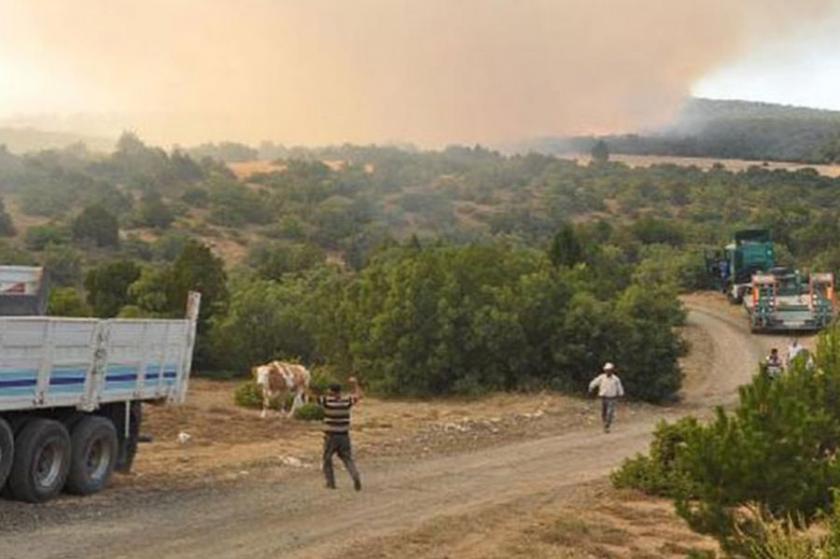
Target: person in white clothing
[[794, 349], [609, 390]]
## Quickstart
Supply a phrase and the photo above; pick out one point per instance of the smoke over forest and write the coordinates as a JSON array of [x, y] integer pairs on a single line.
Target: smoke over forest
[[319, 71]]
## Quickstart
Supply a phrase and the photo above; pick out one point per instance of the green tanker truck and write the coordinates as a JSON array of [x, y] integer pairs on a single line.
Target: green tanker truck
[[751, 252], [776, 299]]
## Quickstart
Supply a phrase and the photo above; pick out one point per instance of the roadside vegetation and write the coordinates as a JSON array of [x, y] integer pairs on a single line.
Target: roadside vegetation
[[758, 477]]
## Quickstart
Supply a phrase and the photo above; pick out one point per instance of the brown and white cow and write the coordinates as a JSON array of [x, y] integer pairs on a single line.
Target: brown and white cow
[[279, 377]]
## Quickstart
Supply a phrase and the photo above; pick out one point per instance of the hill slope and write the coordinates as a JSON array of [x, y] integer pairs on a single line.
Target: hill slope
[[27, 139], [726, 129]]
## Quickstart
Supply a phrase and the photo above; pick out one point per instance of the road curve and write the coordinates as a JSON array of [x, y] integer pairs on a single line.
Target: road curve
[[300, 519]]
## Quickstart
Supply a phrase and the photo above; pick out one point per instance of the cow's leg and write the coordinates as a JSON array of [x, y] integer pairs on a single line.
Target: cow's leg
[[296, 402], [266, 402]]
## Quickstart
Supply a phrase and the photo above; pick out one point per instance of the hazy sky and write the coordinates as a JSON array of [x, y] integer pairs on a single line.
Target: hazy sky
[[426, 71], [802, 68]]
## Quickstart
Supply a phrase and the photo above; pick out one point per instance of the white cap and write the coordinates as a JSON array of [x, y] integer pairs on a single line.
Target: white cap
[[609, 366]]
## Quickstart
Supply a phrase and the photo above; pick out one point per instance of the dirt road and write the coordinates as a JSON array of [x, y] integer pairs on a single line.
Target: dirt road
[[282, 516]]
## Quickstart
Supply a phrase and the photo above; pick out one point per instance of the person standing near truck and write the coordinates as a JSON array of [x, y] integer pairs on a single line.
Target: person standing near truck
[[609, 390], [794, 349], [774, 364], [337, 431]]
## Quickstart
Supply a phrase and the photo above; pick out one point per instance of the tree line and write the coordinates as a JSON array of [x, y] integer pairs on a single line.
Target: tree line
[[535, 267]]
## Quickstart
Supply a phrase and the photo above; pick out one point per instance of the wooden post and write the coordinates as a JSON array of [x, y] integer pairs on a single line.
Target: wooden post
[[193, 307]]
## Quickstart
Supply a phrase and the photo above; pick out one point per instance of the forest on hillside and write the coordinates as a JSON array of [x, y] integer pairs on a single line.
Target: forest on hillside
[[728, 130], [426, 272]]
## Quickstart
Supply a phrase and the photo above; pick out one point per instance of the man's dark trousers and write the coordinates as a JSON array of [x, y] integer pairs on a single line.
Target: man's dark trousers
[[339, 443]]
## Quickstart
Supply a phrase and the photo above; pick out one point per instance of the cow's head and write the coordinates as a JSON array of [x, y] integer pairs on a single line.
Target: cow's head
[[262, 374]]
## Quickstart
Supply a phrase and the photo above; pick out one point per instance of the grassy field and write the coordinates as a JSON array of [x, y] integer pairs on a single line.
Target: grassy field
[[707, 163]]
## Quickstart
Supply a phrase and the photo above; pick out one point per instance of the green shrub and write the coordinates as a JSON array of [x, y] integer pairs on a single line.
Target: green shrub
[[66, 301], [249, 395], [775, 452], [659, 473], [96, 225], [309, 412], [322, 378], [38, 237], [701, 554]]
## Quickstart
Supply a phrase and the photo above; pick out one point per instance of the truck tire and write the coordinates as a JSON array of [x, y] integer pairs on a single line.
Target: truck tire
[[42, 460], [7, 451], [93, 455]]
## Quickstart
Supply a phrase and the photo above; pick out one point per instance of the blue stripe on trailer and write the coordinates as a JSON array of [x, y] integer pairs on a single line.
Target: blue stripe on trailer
[[18, 383], [68, 375], [121, 378], [169, 373], [66, 380]]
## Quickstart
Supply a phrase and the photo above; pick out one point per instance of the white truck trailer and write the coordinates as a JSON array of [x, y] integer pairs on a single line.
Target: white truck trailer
[[71, 394]]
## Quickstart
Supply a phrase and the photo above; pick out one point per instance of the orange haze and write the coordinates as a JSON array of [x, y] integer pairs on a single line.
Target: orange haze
[[318, 71]]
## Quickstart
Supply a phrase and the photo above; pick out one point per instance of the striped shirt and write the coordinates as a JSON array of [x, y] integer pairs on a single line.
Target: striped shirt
[[337, 412]]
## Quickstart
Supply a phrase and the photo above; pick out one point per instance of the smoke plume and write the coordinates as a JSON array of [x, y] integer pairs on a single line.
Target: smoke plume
[[426, 71]]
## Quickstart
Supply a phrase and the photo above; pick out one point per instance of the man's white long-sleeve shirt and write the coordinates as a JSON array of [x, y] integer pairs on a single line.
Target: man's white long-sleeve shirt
[[608, 386]]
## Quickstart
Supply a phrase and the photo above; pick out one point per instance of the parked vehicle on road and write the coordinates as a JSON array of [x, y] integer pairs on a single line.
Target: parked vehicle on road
[[71, 395]]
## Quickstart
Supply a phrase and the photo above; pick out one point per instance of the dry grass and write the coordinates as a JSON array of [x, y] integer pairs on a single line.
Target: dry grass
[[226, 439], [708, 163], [244, 169], [593, 521]]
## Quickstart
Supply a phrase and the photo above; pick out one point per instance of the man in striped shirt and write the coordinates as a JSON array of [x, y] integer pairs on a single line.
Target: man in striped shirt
[[337, 431]]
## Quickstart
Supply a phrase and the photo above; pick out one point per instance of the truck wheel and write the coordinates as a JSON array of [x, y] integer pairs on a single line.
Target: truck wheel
[[7, 451], [42, 460], [93, 455]]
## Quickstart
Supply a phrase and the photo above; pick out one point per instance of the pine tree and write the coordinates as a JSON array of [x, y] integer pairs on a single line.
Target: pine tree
[[7, 228], [600, 153], [566, 249]]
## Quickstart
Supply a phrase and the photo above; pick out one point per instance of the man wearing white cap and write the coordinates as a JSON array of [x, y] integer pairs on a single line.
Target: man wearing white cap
[[609, 390]]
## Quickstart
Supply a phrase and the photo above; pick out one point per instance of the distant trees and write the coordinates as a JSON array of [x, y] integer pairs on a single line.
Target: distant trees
[[266, 320], [228, 152], [139, 166], [63, 265], [467, 319], [38, 237], [233, 205], [66, 301], [728, 130], [7, 228], [565, 248], [600, 153], [154, 212], [198, 269], [98, 226], [107, 286], [450, 271], [274, 259]]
